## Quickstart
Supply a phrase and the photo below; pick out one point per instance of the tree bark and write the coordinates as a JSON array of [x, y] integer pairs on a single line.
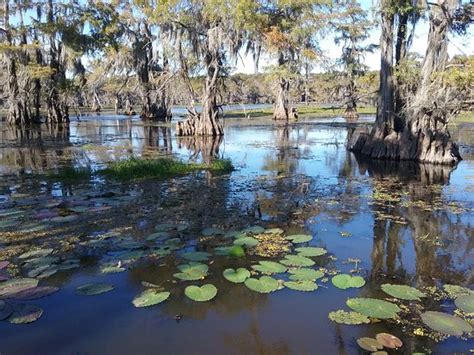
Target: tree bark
[[281, 110], [424, 136]]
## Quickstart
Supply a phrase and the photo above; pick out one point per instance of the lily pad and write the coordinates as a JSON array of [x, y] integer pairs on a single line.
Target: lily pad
[[150, 297], [311, 251], [297, 260], [374, 308], [403, 292], [269, 267], [35, 293], [13, 286], [196, 256], [446, 323], [209, 232], [465, 303], [236, 276], [111, 269], [192, 271], [389, 341], [201, 294], [305, 274], [345, 281], [274, 231], [306, 285], [93, 289], [36, 253], [164, 227], [349, 318], [299, 238], [455, 291], [246, 241], [254, 230], [158, 236], [25, 313], [265, 284], [369, 344]]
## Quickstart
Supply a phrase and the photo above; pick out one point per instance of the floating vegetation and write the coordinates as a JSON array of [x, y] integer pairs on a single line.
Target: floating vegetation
[[269, 267], [246, 241], [297, 261], [369, 344], [270, 245], [465, 303], [403, 292], [345, 281], [150, 297], [93, 289], [305, 285], [211, 231], [311, 251], [299, 238], [35, 293], [305, 274], [374, 308], [389, 341], [454, 291], [25, 313], [11, 287], [253, 230], [201, 293], [192, 271], [236, 276], [265, 284], [446, 323], [349, 318], [196, 256]]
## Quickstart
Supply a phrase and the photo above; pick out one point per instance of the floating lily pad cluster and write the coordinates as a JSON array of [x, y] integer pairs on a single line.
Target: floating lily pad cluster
[[382, 340]]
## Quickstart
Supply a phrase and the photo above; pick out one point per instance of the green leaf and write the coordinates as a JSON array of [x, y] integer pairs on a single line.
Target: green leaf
[[299, 238], [403, 292], [209, 232], [307, 286], [374, 308], [465, 303], [389, 341], [345, 281], [265, 284], [35, 293], [349, 318], [311, 251], [297, 260], [369, 344], [269, 267], [454, 291], [25, 313], [13, 286], [445, 323], [246, 241], [235, 251], [192, 271], [36, 253], [93, 289], [150, 297], [305, 274], [254, 230], [236, 276], [201, 294], [274, 231], [196, 256]]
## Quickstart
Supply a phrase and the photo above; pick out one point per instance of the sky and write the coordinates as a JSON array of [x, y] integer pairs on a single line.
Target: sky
[[457, 46]]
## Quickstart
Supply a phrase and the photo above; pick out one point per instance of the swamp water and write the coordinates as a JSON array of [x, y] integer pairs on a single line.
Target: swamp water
[[294, 187]]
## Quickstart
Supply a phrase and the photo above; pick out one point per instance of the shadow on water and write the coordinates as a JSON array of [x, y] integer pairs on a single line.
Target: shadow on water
[[404, 223]]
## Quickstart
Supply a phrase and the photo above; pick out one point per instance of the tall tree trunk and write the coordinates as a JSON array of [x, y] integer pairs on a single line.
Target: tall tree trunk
[[207, 122], [164, 105], [424, 136], [281, 110]]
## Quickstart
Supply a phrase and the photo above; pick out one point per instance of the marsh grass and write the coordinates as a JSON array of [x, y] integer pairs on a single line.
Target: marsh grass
[[164, 167]]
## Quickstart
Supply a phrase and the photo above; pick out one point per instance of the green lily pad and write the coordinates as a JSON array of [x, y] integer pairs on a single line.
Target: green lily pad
[[403, 292], [454, 291], [369, 344], [274, 231], [11, 287], [236, 276], [164, 227], [299, 238], [246, 241], [25, 313], [235, 251], [192, 271], [253, 230], [306, 285], [389, 341], [150, 297], [158, 236], [311, 251], [201, 294], [345, 281], [349, 318], [446, 323], [265, 284], [36, 253], [111, 269], [209, 232], [297, 260], [305, 274], [465, 303], [93, 289], [269, 267], [374, 308], [196, 256]]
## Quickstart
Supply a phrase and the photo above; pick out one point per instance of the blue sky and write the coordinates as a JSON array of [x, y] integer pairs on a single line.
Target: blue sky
[[457, 45]]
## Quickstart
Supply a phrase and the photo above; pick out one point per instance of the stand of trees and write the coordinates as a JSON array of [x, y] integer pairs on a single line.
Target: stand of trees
[[59, 56]]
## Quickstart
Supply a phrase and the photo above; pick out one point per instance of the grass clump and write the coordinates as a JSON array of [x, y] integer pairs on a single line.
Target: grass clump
[[164, 167]]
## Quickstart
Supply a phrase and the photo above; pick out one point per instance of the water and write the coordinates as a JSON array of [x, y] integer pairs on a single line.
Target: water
[[405, 223]]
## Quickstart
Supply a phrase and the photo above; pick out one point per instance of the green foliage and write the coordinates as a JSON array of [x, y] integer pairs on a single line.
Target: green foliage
[[149, 298], [372, 307], [403, 292], [345, 281], [446, 323], [265, 284], [349, 318], [201, 294]]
